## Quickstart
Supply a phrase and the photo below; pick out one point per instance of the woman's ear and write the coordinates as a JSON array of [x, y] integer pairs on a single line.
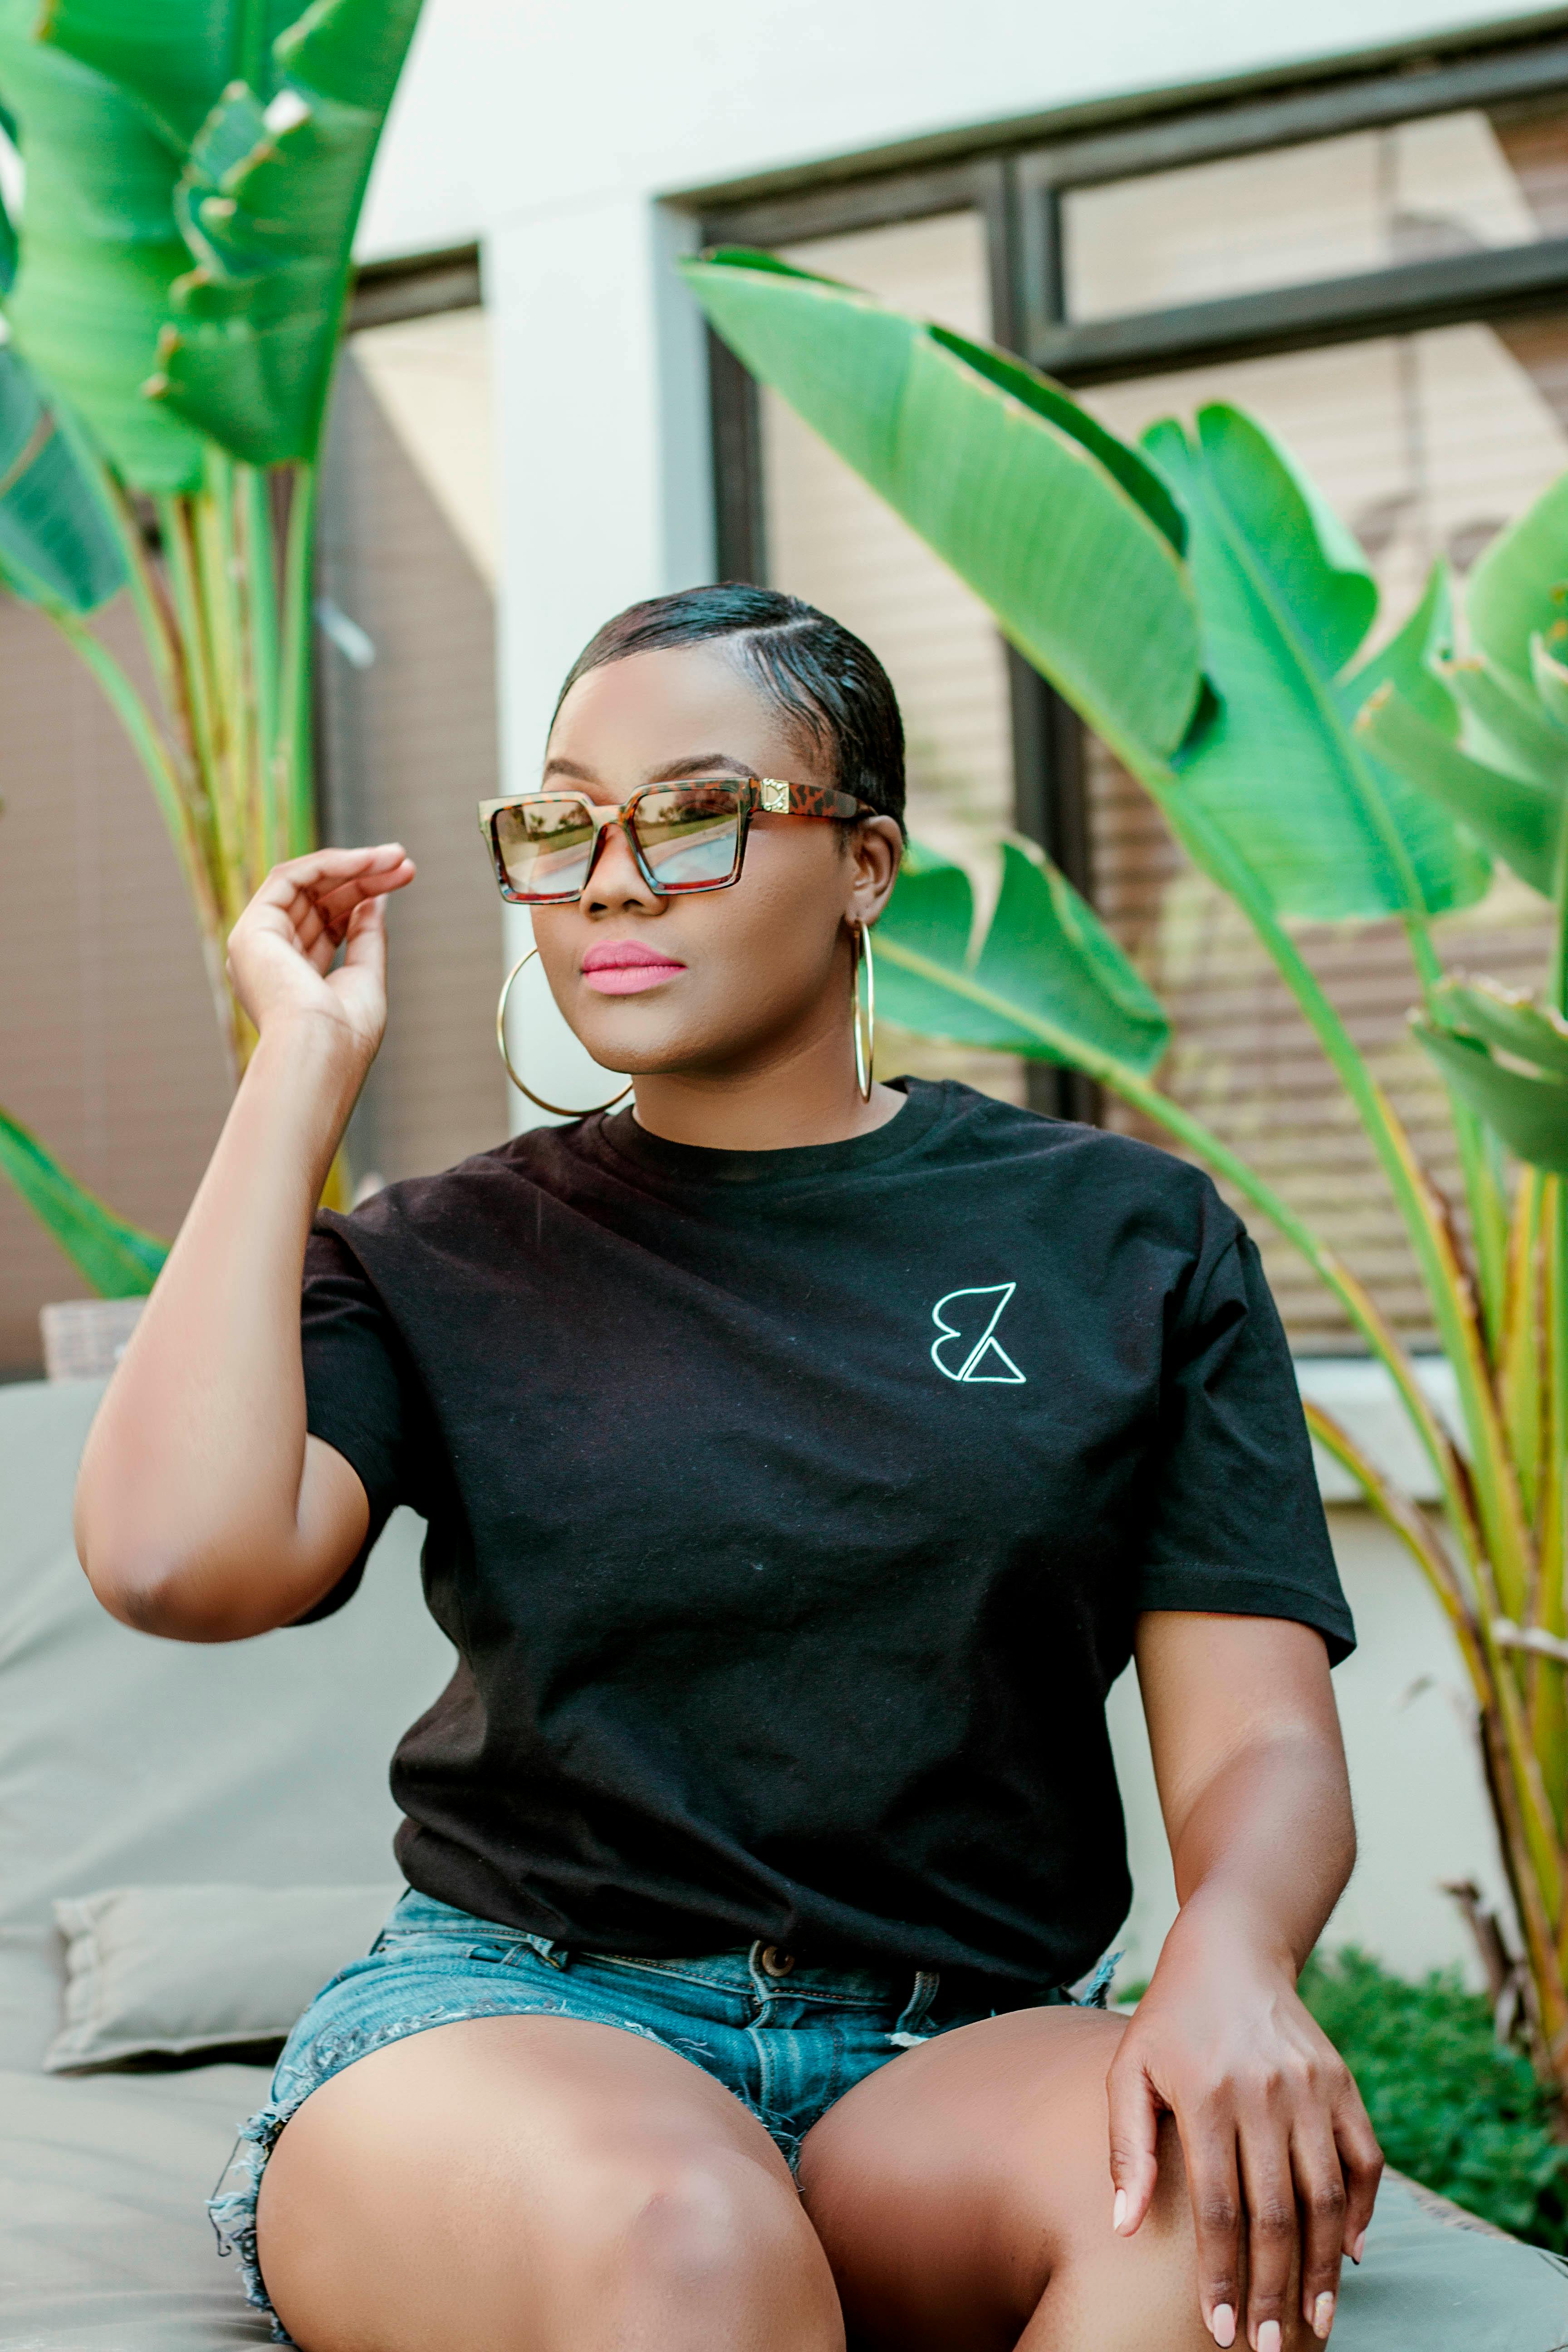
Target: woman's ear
[[876, 847]]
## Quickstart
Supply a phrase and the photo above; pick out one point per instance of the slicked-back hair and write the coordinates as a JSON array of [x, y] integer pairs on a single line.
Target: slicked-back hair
[[823, 679]]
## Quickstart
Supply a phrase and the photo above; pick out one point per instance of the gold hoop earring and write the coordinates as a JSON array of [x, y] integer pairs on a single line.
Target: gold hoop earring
[[865, 1020], [558, 1109]]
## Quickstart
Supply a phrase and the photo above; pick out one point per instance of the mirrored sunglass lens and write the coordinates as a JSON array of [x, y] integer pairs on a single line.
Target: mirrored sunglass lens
[[545, 846], [688, 836]]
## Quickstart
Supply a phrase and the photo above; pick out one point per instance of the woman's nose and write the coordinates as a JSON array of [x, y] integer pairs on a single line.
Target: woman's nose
[[615, 879]]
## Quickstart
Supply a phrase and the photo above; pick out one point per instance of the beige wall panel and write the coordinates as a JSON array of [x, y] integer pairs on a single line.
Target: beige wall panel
[[108, 1046]]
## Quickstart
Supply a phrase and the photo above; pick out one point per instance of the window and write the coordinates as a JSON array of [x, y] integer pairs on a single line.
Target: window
[[1377, 265]]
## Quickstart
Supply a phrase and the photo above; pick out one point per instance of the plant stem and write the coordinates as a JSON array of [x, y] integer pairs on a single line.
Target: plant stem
[[297, 796], [1503, 1559], [262, 593]]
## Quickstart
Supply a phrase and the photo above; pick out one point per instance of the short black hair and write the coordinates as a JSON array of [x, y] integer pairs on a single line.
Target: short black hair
[[821, 676]]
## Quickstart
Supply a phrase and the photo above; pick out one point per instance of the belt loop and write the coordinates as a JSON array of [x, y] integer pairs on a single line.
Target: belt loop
[[557, 1954], [911, 2030]]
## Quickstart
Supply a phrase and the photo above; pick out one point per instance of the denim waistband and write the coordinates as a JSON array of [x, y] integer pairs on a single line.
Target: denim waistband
[[760, 1970]]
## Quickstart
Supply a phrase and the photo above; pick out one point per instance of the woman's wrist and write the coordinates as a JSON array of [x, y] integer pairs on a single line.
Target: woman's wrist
[[1226, 1926]]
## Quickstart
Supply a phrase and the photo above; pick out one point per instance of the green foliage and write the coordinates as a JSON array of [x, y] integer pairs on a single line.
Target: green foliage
[[55, 539], [1451, 2108], [120, 1260], [1287, 600], [195, 175], [1070, 536], [1048, 980], [1468, 1028]]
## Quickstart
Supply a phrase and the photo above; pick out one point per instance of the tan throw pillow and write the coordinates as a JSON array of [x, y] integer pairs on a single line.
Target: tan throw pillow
[[165, 1970]]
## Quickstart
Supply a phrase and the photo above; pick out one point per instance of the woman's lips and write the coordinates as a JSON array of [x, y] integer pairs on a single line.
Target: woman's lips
[[623, 968]]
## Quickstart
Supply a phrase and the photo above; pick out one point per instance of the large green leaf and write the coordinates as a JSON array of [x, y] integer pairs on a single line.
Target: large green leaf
[[120, 1260], [269, 201], [1507, 725], [1048, 980], [1328, 833], [1502, 1017], [1516, 817], [99, 250], [1529, 1111], [1069, 540], [55, 543], [196, 172], [1516, 591]]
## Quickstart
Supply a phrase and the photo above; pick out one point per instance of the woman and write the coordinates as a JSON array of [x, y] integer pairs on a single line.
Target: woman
[[803, 1459]]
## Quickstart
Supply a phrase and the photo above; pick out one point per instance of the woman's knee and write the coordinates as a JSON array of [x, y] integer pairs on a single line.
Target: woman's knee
[[424, 2207]]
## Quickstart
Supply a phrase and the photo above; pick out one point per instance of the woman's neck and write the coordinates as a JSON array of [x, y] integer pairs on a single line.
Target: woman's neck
[[803, 1093]]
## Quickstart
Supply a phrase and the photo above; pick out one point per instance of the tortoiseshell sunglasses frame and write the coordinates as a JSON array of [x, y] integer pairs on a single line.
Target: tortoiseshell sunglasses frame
[[773, 795]]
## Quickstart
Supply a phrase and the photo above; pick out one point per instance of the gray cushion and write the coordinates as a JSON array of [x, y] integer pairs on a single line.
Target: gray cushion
[[169, 1969], [126, 1760]]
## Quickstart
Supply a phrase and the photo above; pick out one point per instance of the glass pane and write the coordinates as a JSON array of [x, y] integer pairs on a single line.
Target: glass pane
[[832, 540], [408, 725], [1327, 208], [1424, 443]]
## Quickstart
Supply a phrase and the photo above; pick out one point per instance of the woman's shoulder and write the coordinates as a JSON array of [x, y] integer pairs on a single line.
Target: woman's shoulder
[[438, 1207], [989, 1128]]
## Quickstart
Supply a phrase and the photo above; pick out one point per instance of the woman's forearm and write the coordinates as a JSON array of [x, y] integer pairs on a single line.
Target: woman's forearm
[[195, 1516], [1267, 1844]]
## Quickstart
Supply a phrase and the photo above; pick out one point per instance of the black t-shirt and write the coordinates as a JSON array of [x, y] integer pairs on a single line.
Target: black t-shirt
[[790, 1512]]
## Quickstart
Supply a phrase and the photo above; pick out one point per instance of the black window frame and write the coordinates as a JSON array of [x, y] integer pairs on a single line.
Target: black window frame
[[1017, 175]]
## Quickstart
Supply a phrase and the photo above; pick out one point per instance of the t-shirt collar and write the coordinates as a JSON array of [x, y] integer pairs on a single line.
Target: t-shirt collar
[[698, 1163]]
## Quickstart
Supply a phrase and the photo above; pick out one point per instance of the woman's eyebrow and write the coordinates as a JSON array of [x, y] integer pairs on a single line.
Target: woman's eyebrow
[[690, 764]]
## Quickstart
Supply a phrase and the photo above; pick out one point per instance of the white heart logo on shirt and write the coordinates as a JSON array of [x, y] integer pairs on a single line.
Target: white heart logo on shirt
[[983, 1357]]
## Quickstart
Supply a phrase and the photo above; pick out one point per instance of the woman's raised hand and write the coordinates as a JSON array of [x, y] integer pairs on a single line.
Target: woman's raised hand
[[281, 950]]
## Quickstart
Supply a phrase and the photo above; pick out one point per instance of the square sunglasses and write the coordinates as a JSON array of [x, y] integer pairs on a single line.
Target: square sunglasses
[[684, 836]]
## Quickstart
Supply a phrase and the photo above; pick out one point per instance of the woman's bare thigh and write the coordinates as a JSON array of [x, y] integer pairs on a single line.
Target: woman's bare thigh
[[963, 2197], [536, 2184]]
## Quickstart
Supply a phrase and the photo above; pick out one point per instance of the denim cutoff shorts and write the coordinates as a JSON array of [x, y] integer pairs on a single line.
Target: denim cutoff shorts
[[786, 2038]]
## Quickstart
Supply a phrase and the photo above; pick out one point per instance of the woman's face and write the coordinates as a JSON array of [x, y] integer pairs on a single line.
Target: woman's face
[[741, 976]]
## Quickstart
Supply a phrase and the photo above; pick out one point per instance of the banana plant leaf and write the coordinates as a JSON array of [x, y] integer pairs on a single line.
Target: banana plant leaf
[[1068, 535], [1508, 725], [1517, 590], [1287, 599], [118, 1259], [8, 226], [268, 202], [55, 543], [100, 249], [227, 146], [1048, 980], [1528, 1109], [1517, 817], [1502, 1017]]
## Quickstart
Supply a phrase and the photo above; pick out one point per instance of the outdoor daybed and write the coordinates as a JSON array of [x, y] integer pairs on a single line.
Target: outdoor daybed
[[130, 1763]]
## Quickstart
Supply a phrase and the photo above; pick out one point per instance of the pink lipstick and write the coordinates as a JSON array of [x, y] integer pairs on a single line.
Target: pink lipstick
[[625, 966]]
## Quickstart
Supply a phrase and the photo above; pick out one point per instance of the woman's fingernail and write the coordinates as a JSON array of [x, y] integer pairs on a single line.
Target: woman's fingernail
[[1323, 2316], [1268, 2337], [1118, 2211], [1223, 2326], [1359, 2248]]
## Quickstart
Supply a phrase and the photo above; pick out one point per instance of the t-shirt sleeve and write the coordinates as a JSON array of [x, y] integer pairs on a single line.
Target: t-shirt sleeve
[[1238, 1523], [361, 1396]]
